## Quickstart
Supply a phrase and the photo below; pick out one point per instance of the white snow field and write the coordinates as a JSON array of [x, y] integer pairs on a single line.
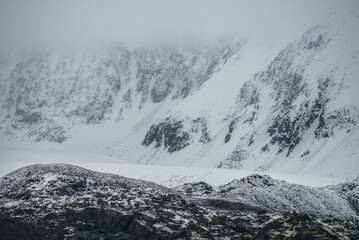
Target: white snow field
[[169, 176]]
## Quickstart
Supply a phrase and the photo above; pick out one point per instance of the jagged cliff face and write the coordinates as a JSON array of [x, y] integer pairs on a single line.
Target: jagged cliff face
[[286, 108]]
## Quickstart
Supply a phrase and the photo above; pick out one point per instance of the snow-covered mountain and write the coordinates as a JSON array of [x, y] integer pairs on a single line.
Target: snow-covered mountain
[[236, 104], [301, 113], [45, 93]]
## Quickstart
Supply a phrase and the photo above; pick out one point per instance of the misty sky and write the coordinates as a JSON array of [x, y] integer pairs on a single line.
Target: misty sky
[[137, 22]]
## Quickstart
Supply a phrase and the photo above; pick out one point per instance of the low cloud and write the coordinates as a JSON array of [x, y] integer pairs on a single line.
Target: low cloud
[[135, 22]]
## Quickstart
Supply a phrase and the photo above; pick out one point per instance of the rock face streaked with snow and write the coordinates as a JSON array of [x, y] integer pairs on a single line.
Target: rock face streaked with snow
[[287, 108], [59, 201], [44, 93], [303, 105]]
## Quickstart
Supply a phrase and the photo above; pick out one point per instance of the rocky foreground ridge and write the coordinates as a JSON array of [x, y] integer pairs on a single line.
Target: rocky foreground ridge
[[60, 201]]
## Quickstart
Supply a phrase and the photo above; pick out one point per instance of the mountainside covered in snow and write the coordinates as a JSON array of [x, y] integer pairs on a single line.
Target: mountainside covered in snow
[[45, 93], [60, 201], [303, 108], [236, 104]]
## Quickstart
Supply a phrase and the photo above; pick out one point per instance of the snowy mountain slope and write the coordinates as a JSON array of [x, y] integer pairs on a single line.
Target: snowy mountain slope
[[239, 105], [168, 176], [46, 93], [189, 132], [303, 107], [126, 112], [292, 116], [58, 201]]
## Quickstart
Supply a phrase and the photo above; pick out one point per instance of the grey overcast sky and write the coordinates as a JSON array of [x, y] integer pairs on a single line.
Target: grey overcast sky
[[138, 22]]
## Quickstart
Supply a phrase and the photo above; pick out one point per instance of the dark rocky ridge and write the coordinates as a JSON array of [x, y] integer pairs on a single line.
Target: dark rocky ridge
[[60, 201], [63, 201]]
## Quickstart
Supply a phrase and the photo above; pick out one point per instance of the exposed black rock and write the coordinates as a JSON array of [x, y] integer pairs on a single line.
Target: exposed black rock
[[200, 125], [52, 134], [169, 135], [343, 118], [231, 127], [28, 118], [251, 140], [248, 94], [94, 111], [195, 189], [265, 148], [303, 226], [288, 131], [317, 43]]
